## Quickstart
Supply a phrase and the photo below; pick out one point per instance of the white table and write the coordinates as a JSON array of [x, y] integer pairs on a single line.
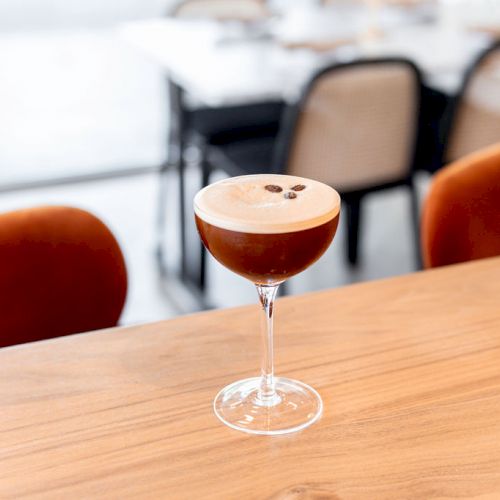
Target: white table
[[218, 68], [220, 64]]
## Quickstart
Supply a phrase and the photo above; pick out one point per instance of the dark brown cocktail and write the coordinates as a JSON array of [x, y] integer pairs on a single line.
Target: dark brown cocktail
[[267, 228], [267, 258]]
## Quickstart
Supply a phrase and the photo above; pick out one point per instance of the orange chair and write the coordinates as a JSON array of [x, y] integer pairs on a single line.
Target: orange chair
[[461, 216], [61, 272]]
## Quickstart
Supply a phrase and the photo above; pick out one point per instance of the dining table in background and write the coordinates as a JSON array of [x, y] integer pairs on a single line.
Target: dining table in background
[[408, 369], [221, 65]]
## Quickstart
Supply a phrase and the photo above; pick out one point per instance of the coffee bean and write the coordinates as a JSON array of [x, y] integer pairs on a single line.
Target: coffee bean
[[273, 188], [298, 187], [290, 195]]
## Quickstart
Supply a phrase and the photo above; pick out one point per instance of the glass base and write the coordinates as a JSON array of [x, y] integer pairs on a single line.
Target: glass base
[[295, 407]]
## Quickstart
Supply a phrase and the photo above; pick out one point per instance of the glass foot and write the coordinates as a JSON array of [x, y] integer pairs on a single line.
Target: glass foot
[[295, 407]]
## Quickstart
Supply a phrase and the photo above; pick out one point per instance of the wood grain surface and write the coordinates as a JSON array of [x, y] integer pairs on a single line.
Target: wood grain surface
[[408, 368]]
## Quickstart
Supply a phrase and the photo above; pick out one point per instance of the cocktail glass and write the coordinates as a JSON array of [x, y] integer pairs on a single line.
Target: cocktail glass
[[267, 228]]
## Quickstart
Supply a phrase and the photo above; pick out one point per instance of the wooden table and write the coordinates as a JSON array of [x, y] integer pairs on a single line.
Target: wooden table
[[408, 368]]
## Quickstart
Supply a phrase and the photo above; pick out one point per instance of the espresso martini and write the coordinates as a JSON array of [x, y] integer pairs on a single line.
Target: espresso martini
[[267, 228]]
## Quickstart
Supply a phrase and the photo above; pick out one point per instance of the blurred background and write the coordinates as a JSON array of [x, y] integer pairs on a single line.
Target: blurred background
[[79, 102], [86, 117]]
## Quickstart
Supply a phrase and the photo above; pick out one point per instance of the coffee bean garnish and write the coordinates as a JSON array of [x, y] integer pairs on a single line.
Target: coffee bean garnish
[[290, 195], [273, 188], [298, 187]]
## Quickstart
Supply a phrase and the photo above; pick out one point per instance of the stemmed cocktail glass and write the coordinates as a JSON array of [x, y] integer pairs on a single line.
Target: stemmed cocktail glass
[[267, 228]]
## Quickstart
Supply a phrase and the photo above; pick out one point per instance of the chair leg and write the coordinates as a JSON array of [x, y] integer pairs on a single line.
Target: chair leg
[[182, 216], [161, 219], [206, 170], [415, 217], [353, 209], [205, 180]]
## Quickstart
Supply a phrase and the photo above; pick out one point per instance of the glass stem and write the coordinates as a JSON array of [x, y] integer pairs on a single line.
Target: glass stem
[[267, 392]]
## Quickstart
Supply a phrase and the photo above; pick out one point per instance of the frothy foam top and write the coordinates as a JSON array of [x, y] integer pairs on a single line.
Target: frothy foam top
[[267, 203]]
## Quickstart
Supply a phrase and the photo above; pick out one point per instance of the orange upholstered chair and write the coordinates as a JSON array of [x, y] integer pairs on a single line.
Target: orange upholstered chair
[[61, 272], [461, 216]]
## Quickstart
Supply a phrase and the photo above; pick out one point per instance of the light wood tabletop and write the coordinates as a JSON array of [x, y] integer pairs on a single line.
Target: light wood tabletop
[[408, 368]]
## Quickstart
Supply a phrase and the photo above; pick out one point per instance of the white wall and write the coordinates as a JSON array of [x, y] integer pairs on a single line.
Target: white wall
[[74, 97], [55, 14]]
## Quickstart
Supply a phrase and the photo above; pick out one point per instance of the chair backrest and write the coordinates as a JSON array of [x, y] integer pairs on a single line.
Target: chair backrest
[[461, 215], [356, 126], [475, 121], [61, 272], [220, 9]]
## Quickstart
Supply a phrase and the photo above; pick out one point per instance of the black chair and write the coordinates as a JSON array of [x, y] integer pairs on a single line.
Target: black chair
[[200, 128], [197, 126], [356, 128]]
